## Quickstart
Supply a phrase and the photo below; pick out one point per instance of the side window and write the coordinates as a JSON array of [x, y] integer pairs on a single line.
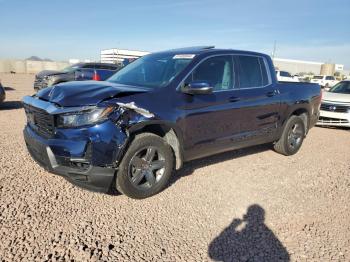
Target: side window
[[105, 67], [329, 78], [265, 77], [97, 66], [111, 67], [252, 72], [217, 71], [88, 66]]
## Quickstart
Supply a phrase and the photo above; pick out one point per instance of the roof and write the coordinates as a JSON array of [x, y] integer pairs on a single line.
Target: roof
[[93, 63], [207, 49]]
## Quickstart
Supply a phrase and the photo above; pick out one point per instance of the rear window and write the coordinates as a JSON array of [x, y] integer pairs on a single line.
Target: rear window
[[317, 77], [252, 72], [330, 78], [91, 66], [105, 67]]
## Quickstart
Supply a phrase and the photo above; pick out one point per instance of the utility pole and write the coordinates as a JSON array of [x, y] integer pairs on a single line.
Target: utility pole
[[274, 50]]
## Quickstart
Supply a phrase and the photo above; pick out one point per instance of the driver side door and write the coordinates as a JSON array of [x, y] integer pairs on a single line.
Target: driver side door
[[210, 120]]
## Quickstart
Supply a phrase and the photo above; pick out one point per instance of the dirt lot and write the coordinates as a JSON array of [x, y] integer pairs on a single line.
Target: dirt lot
[[247, 205]]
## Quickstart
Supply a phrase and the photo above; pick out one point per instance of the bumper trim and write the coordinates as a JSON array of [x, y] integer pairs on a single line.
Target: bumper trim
[[52, 158], [94, 178]]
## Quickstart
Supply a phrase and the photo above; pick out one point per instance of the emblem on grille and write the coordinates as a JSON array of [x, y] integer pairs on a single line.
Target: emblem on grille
[[332, 108]]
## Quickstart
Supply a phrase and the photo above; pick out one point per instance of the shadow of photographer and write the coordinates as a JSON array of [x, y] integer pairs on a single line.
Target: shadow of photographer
[[248, 239]]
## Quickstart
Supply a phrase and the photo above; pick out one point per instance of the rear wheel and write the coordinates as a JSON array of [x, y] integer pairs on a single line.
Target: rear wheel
[[146, 167], [292, 136]]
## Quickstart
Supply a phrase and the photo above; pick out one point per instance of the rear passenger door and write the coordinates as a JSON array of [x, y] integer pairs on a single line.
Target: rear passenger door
[[259, 97]]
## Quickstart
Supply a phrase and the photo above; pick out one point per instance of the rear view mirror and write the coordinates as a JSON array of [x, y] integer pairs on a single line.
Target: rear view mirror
[[197, 87]]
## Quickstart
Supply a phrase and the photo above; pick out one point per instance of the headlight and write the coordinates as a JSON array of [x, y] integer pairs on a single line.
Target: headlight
[[84, 118], [50, 80]]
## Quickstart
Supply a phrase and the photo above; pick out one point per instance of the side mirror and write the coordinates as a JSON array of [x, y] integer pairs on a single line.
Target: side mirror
[[197, 88]]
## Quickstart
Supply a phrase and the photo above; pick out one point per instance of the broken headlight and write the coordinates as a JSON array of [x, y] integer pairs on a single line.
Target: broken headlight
[[89, 117]]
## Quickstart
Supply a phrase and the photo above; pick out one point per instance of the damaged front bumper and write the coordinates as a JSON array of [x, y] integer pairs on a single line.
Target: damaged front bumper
[[86, 156]]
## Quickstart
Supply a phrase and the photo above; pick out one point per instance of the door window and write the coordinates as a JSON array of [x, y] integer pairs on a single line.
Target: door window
[[252, 72], [217, 71]]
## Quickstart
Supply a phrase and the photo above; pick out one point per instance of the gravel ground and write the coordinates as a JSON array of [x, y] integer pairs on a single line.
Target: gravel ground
[[247, 205]]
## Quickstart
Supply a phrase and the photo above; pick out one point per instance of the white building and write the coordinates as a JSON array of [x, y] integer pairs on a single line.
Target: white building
[[115, 55], [298, 66], [75, 61]]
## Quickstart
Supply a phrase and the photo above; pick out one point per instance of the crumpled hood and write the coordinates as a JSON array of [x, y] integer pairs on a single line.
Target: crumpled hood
[[85, 93], [336, 97]]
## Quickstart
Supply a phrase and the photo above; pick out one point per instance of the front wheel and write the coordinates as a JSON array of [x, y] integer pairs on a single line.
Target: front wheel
[[292, 137], [146, 167]]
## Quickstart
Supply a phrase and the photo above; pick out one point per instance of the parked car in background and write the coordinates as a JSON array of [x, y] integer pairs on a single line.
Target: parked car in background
[[335, 107], [131, 131], [2, 93], [325, 82], [284, 76], [77, 72]]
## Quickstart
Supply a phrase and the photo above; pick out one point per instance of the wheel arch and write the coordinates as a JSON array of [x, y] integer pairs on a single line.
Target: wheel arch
[[167, 131], [302, 112]]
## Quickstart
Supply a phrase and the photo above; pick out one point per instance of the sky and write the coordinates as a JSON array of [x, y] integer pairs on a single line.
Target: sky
[[315, 30]]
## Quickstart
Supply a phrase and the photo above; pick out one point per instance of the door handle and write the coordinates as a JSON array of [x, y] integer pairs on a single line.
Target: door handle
[[272, 93], [234, 99]]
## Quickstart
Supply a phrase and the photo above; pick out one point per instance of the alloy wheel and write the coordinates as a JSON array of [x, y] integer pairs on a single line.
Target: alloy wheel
[[295, 135], [146, 167]]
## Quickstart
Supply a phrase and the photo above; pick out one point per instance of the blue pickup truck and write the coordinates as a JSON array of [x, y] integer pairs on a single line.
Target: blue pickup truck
[[76, 72], [130, 132]]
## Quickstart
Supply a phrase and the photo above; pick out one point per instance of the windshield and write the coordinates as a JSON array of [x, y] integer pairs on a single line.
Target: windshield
[[342, 88], [317, 77], [70, 68], [155, 70]]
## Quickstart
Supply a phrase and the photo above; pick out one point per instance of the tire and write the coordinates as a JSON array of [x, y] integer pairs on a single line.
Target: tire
[[141, 175], [292, 137]]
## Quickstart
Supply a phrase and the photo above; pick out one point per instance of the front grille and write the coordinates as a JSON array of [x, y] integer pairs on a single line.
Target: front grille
[[329, 120], [41, 121], [39, 83], [335, 108]]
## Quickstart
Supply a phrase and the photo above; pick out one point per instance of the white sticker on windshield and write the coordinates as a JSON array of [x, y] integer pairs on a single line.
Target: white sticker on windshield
[[184, 56]]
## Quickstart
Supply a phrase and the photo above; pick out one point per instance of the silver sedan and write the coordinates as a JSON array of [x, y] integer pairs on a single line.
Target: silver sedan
[[335, 107]]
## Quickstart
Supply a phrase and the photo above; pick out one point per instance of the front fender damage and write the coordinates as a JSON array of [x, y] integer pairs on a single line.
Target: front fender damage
[[126, 116], [132, 106], [129, 115], [132, 118]]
